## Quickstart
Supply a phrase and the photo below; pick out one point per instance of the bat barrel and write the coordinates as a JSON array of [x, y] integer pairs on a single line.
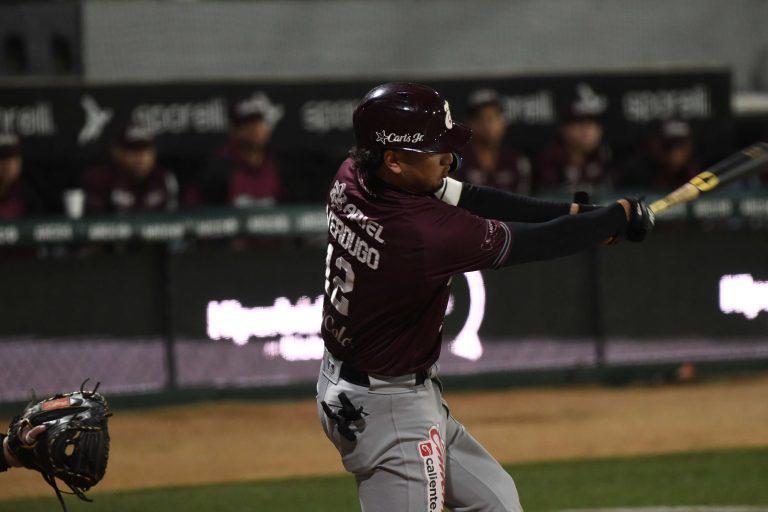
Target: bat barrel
[[748, 161]]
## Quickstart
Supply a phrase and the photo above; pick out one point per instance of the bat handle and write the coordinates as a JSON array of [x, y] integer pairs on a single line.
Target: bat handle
[[658, 206], [683, 194]]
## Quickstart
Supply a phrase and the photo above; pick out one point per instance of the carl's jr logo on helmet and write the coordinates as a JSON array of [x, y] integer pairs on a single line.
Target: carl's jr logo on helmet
[[383, 137], [448, 119]]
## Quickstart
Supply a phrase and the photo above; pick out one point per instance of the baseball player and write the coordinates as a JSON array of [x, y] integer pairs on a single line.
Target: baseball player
[[398, 230]]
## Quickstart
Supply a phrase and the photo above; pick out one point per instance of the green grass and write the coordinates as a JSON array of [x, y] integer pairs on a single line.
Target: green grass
[[733, 477]]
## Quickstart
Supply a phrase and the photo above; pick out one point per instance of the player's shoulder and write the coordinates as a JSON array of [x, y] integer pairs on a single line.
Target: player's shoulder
[[344, 188], [433, 220], [346, 169], [367, 192], [345, 179]]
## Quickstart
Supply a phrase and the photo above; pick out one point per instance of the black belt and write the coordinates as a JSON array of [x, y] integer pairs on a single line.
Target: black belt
[[355, 376]]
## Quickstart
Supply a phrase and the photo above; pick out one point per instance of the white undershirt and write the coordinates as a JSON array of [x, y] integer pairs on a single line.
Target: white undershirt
[[450, 192]]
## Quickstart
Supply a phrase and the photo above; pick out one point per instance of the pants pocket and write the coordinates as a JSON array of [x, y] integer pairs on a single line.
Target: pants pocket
[[358, 396]]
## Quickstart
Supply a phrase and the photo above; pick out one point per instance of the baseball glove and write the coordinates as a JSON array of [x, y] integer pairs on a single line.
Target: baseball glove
[[75, 445]]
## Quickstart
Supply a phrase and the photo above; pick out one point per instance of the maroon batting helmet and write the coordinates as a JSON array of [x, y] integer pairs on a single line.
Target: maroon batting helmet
[[413, 117]]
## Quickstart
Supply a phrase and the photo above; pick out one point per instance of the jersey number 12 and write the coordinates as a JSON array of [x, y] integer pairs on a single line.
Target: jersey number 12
[[338, 287]]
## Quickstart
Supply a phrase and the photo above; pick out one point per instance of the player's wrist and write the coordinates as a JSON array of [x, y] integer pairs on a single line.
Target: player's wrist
[[577, 208], [627, 207], [7, 460]]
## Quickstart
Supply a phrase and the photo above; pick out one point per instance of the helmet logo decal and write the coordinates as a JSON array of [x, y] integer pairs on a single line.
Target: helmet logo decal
[[383, 137], [448, 119]]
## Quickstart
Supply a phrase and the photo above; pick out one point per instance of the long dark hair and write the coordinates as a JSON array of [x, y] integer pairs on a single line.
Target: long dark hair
[[365, 163]]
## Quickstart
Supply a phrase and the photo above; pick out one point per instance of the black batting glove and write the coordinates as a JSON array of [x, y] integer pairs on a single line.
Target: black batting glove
[[641, 220]]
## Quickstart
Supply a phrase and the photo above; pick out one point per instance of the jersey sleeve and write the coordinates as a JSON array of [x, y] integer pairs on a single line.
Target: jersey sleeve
[[455, 241]]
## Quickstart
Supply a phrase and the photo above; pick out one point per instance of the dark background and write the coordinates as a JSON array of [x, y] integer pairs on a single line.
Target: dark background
[[668, 287], [308, 157]]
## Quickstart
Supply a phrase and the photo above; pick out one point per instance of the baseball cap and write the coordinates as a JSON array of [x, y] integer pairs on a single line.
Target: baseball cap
[[10, 145], [576, 112], [675, 130], [247, 111], [135, 137], [585, 105], [482, 98]]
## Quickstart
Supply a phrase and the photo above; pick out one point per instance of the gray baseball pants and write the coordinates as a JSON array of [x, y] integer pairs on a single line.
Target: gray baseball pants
[[410, 454]]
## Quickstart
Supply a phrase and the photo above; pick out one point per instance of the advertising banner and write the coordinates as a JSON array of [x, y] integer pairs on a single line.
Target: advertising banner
[[62, 122]]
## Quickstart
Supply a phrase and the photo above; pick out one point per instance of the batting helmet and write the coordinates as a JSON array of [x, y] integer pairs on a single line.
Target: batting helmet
[[413, 117]]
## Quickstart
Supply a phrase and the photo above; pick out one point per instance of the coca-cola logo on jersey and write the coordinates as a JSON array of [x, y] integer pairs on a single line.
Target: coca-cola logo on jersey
[[383, 137]]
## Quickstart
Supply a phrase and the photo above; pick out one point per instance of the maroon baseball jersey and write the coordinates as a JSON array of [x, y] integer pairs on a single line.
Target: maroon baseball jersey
[[13, 204], [389, 261], [512, 171], [110, 190], [554, 171]]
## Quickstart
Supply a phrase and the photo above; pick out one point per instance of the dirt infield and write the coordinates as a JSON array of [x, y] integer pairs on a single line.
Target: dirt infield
[[252, 440]]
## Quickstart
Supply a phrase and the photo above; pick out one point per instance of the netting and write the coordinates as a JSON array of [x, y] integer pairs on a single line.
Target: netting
[[48, 366], [340, 39]]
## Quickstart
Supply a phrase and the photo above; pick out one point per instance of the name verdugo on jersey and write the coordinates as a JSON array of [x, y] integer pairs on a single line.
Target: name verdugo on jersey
[[353, 244]]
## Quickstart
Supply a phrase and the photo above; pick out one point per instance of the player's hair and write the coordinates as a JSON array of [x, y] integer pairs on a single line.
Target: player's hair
[[366, 162]]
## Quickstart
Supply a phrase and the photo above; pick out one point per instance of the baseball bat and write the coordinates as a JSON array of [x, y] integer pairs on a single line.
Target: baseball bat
[[748, 161]]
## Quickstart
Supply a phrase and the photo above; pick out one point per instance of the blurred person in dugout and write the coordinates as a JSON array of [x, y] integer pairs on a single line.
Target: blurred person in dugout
[[18, 197], [131, 180], [578, 159], [243, 172], [488, 159], [665, 159]]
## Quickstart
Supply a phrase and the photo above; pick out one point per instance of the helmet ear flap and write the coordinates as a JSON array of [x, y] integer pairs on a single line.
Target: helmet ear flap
[[456, 162]]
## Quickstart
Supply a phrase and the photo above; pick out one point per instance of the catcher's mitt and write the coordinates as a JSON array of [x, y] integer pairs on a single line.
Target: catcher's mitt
[[75, 445]]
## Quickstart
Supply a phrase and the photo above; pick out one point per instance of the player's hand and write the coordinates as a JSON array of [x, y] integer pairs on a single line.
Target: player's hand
[[640, 218], [29, 437], [627, 208], [579, 198]]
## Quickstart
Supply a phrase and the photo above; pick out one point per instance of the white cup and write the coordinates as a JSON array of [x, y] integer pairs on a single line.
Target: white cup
[[74, 202]]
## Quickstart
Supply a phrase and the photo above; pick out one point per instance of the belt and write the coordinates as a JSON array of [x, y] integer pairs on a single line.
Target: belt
[[355, 376]]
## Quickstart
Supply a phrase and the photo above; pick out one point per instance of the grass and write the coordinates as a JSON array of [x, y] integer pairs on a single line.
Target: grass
[[732, 477]]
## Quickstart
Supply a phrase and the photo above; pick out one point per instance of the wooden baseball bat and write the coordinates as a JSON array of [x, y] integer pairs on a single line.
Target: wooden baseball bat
[[748, 161]]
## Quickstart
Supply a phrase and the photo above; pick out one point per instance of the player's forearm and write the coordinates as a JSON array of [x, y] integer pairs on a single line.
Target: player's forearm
[[5, 463], [565, 235], [496, 204]]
